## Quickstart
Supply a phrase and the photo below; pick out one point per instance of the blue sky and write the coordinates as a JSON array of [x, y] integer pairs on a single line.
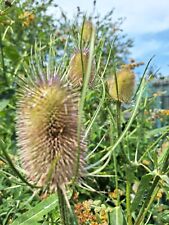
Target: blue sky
[[147, 23]]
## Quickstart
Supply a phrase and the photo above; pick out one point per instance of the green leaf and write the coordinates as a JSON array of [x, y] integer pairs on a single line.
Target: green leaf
[[116, 216], [163, 155], [130, 172], [156, 132], [11, 52], [142, 189], [165, 216], [3, 103], [37, 212]]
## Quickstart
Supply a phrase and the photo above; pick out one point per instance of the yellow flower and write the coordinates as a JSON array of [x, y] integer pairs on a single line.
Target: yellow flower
[[103, 215], [115, 193], [27, 17], [164, 112], [159, 194]]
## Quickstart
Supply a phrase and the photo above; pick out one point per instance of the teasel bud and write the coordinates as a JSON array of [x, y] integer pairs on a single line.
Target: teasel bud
[[47, 120], [87, 30], [78, 68], [123, 90]]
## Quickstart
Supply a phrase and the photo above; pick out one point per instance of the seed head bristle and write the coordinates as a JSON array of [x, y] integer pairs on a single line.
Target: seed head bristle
[[47, 115]]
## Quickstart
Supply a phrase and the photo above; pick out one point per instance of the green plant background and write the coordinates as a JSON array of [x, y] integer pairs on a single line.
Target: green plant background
[[135, 164]]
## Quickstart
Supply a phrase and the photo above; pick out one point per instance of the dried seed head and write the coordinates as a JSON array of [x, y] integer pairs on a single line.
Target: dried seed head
[[125, 84], [87, 30], [78, 68], [47, 115]]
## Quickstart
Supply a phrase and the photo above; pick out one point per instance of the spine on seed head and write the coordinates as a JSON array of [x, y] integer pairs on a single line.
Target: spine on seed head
[[47, 115]]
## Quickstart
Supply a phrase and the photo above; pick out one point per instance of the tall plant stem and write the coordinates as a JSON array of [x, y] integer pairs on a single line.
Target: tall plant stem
[[66, 213], [118, 117], [83, 96], [2, 60], [128, 202], [115, 166]]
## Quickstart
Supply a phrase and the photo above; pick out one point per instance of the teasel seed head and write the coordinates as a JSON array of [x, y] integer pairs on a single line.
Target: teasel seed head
[[87, 30], [125, 84], [78, 67], [47, 120]]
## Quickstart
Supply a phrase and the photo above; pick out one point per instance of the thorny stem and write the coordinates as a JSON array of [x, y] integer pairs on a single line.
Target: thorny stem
[[128, 202], [115, 166], [83, 95], [118, 117], [80, 108], [66, 212]]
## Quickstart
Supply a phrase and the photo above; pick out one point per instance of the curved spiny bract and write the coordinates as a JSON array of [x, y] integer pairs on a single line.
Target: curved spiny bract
[[47, 120]]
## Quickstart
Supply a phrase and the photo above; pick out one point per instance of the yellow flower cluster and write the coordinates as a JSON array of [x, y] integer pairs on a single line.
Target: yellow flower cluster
[[164, 112], [84, 213], [88, 212], [27, 18]]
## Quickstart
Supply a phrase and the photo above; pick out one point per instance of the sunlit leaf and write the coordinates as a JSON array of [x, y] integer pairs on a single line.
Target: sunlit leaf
[[37, 212], [143, 187], [116, 216]]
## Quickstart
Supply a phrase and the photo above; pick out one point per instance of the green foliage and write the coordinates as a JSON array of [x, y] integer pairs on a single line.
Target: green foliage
[[128, 155], [34, 215]]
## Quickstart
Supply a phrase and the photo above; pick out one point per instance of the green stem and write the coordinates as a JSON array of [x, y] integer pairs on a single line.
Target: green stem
[[128, 202], [2, 60], [8, 159], [62, 207], [134, 113], [82, 101], [67, 215], [81, 105], [118, 117], [115, 166]]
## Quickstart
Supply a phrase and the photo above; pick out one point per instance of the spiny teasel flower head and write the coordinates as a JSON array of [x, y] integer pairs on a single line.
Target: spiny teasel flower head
[[47, 120], [87, 31], [123, 90], [78, 68]]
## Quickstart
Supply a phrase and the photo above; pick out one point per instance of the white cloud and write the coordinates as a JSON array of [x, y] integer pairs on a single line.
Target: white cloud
[[142, 16]]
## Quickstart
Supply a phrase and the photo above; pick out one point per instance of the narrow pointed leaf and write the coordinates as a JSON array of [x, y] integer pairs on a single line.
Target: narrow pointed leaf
[[142, 189], [116, 216], [37, 212]]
